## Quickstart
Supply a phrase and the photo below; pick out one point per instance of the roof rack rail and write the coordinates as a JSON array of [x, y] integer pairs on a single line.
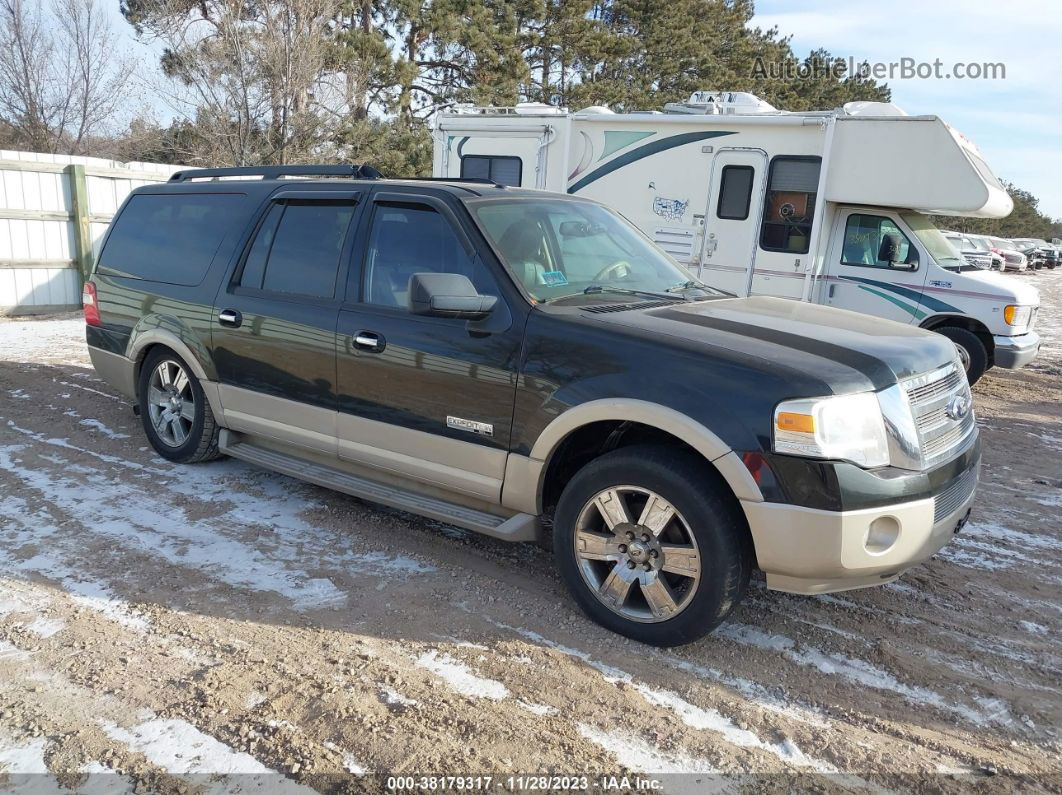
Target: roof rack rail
[[473, 180], [275, 172]]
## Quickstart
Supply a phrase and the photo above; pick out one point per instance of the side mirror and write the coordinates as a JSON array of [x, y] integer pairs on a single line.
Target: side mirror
[[447, 295], [890, 249], [890, 252]]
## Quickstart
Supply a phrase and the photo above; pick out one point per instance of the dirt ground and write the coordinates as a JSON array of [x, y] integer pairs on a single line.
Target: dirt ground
[[161, 625]]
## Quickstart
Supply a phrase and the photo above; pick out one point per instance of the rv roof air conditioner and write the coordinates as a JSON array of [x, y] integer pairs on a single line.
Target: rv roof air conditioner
[[720, 102]]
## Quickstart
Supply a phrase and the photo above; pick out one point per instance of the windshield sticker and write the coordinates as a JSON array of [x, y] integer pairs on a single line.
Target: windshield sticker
[[554, 279], [672, 209]]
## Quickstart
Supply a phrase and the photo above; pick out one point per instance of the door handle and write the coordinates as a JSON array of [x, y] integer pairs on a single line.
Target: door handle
[[369, 341], [230, 317]]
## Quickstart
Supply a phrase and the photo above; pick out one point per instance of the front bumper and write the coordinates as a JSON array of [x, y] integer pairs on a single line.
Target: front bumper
[[810, 550], [1015, 352]]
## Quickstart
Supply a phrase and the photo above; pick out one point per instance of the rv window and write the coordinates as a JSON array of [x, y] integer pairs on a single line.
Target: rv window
[[790, 204], [735, 193], [862, 241], [503, 170]]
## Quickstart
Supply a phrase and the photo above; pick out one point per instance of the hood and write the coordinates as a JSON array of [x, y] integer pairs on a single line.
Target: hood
[[1005, 289], [837, 350]]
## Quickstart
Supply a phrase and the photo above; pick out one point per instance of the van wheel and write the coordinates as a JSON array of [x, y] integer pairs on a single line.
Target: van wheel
[[651, 546], [173, 408], [972, 351]]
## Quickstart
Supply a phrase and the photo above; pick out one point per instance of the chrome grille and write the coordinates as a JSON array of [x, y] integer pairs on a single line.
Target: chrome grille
[[929, 395], [949, 500]]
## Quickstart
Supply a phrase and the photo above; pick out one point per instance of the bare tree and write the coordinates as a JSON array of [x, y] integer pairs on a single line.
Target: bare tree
[[62, 79], [252, 76]]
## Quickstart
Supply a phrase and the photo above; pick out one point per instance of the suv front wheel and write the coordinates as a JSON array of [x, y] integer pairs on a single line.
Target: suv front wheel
[[650, 546], [174, 411]]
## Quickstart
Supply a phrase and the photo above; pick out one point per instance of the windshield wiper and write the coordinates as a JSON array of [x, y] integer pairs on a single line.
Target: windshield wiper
[[596, 289], [600, 288], [696, 285]]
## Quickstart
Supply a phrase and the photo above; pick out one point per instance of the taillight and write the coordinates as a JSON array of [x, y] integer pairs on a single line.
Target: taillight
[[88, 301]]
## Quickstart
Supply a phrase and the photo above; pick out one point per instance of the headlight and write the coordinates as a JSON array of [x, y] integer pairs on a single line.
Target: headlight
[[847, 427], [1016, 315]]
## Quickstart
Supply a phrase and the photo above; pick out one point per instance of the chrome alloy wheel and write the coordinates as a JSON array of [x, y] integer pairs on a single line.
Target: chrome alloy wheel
[[171, 403], [646, 569]]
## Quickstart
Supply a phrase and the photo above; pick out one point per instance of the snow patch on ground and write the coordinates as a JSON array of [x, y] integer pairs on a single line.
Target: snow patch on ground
[[461, 678], [631, 751], [180, 748], [854, 670], [51, 341], [46, 627], [96, 425], [393, 698]]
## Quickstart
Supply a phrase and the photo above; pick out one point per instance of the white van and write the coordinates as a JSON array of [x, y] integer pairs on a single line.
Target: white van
[[825, 206]]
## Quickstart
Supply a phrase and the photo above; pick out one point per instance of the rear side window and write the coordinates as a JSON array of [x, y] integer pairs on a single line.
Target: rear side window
[[503, 170], [790, 206], [297, 249], [171, 237], [735, 193]]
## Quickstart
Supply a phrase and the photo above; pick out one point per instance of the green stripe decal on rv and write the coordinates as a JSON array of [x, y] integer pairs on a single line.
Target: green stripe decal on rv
[[651, 148], [917, 314], [620, 139], [927, 301]]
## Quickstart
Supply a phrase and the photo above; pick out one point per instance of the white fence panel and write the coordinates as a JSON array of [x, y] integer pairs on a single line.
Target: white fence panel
[[40, 245]]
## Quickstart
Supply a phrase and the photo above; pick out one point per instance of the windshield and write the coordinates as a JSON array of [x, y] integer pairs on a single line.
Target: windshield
[[562, 248], [1004, 244], [978, 243], [943, 252]]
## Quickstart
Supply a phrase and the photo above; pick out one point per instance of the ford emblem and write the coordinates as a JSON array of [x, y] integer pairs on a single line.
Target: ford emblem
[[958, 407]]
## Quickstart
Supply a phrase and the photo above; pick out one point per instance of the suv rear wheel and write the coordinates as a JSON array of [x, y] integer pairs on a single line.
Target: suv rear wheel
[[650, 546], [174, 411]]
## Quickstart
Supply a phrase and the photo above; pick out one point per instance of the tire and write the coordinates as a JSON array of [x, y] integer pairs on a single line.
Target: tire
[[706, 535], [182, 427], [971, 351]]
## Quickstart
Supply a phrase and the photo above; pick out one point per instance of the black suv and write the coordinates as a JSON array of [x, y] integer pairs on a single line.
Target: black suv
[[496, 357]]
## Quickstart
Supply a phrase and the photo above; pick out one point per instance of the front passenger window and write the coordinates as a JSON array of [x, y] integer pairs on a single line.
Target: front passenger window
[[414, 239]]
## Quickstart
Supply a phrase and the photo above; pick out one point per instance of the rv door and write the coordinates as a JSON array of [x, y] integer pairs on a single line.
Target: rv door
[[731, 220]]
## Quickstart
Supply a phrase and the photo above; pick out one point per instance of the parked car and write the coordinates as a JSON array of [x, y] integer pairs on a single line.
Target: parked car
[[1040, 249], [975, 256], [491, 357], [1014, 259], [982, 244]]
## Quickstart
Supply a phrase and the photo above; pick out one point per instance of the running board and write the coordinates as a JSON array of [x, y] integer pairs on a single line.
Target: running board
[[521, 527]]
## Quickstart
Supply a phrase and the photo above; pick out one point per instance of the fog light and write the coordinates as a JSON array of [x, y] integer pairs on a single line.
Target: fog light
[[882, 534]]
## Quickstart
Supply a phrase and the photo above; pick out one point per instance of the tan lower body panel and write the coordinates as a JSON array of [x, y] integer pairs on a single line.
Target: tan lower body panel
[[120, 372], [471, 469], [808, 551], [465, 467]]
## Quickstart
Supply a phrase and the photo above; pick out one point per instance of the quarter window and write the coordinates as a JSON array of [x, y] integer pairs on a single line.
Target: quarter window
[[735, 193], [297, 249], [408, 239], [503, 170], [863, 235], [170, 238], [790, 204]]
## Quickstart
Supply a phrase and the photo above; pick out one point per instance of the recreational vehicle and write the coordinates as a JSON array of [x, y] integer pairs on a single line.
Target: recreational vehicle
[[828, 207]]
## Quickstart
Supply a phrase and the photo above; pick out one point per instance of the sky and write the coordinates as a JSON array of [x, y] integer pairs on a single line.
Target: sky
[[1016, 121]]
